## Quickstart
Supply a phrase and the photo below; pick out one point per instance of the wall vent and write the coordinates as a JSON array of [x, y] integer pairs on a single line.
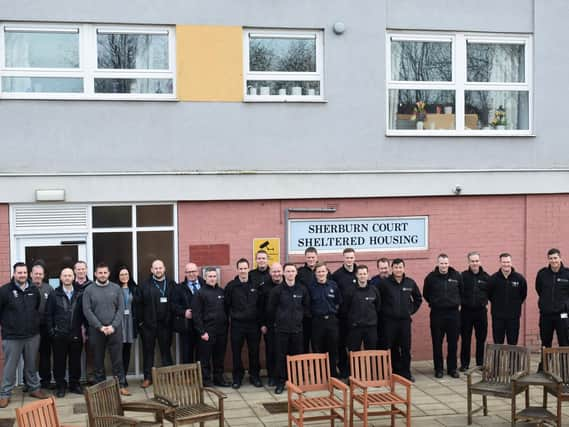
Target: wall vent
[[49, 217]]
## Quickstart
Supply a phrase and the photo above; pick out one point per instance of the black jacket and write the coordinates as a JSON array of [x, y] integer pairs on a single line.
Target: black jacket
[[363, 306], [243, 301], [149, 308], [19, 315], [290, 304], [399, 300], [181, 298], [258, 277], [474, 292], [442, 291], [267, 318], [553, 290], [346, 282], [325, 299], [64, 317], [507, 295], [208, 311]]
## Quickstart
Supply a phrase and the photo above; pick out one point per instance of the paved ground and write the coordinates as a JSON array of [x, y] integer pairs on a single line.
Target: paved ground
[[435, 403]]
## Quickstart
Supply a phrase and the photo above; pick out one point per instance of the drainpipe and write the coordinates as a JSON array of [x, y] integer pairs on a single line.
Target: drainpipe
[[287, 211]]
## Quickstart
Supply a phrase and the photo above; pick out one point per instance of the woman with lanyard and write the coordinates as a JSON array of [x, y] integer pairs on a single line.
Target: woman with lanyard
[[129, 290]]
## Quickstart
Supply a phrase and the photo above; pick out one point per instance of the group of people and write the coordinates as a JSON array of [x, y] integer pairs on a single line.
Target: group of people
[[294, 310]]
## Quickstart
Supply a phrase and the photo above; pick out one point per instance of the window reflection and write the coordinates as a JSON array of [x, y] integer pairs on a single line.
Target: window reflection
[[421, 61], [132, 51], [493, 62], [282, 54]]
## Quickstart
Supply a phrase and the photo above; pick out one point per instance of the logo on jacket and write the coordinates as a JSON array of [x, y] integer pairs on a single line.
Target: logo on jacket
[[15, 292], [559, 279], [220, 297], [515, 284], [370, 298], [296, 296], [452, 280]]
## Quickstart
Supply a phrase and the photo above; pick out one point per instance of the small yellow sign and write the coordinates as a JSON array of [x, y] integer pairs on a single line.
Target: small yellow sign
[[271, 245]]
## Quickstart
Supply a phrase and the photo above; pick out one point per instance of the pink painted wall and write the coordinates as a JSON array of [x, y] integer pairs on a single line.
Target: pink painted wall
[[524, 226]]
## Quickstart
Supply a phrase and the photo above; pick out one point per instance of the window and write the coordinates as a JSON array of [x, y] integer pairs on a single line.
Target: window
[[66, 61], [283, 65], [466, 84]]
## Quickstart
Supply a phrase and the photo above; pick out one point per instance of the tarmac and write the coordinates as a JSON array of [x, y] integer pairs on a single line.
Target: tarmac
[[435, 402]]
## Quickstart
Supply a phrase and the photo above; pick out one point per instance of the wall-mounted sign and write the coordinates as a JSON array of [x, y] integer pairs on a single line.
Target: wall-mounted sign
[[271, 245], [362, 234]]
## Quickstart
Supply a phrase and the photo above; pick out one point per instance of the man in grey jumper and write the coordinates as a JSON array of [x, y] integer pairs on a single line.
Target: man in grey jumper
[[103, 306]]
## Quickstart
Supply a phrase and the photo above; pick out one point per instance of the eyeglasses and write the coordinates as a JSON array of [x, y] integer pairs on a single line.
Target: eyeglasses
[[193, 271]]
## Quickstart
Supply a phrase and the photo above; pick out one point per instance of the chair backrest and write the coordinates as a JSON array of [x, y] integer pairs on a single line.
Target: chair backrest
[[372, 367], [41, 413], [180, 383], [556, 361], [502, 361], [310, 372], [103, 399]]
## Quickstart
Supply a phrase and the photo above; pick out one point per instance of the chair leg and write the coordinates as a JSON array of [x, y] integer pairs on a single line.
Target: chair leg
[[527, 397], [408, 414], [202, 424], [485, 405], [544, 398], [289, 415], [221, 424], [558, 412], [345, 415], [469, 406], [332, 417], [393, 408]]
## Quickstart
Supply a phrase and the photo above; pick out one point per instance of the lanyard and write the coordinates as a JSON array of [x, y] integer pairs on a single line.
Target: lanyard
[[161, 289], [125, 296]]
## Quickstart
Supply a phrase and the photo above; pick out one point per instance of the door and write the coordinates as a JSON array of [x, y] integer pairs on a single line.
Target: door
[[56, 252]]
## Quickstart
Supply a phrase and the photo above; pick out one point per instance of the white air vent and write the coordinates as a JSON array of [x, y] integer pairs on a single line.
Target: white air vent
[[49, 217]]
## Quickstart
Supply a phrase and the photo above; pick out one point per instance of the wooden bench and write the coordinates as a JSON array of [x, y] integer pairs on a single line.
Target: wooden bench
[[181, 388], [502, 363], [311, 373], [372, 368], [42, 413], [556, 363], [105, 407]]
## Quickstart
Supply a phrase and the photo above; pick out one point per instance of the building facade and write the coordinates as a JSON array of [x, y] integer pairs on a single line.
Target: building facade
[[202, 130]]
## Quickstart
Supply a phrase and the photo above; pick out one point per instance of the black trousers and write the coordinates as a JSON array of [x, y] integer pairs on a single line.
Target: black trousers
[[508, 329], [444, 323], [343, 364], [362, 334], [100, 343], [397, 338], [163, 333], [270, 352], [306, 334], [214, 348], [44, 368], [241, 332], [548, 323], [325, 338], [476, 319], [67, 355], [189, 346], [126, 347], [287, 344]]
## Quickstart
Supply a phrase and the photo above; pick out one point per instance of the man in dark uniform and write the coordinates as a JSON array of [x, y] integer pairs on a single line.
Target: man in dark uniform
[[243, 304], [306, 277], [325, 300], [210, 322], [442, 291], [289, 302], [473, 314], [181, 307], [507, 291], [383, 272], [552, 286], [345, 277], [400, 299], [154, 318], [268, 319], [261, 274], [362, 307]]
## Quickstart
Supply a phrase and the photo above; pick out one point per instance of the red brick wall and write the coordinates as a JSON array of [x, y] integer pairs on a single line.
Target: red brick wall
[[4, 244], [524, 226]]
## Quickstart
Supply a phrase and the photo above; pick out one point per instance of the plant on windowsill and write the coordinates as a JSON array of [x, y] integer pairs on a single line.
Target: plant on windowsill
[[420, 113], [499, 122]]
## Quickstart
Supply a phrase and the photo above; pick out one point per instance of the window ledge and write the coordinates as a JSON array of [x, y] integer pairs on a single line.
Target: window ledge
[[475, 134], [5, 97], [285, 99]]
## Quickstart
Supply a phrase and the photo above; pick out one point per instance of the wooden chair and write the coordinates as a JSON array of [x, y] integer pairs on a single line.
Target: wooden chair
[[41, 413], [105, 407], [181, 388], [556, 363], [502, 363], [311, 373], [372, 368]]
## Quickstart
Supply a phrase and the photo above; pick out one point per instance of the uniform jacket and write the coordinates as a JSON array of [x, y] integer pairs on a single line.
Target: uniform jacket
[[289, 305], [64, 317], [150, 309], [19, 316], [553, 290], [442, 291], [474, 292], [399, 300], [208, 311], [267, 318], [258, 277], [507, 294], [325, 298], [363, 306], [243, 301]]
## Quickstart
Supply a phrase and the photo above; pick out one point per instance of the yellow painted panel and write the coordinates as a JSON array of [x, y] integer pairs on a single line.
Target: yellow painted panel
[[209, 63]]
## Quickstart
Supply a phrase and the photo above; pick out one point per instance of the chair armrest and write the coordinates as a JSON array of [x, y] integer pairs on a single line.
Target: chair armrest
[[67, 425], [146, 406], [518, 375], [553, 376], [475, 370], [218, 393], [294, 388], [401, 380], [165, 401], [357, 383], [336, 383]]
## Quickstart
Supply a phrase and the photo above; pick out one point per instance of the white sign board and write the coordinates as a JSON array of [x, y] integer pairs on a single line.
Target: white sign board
[[361, 234]]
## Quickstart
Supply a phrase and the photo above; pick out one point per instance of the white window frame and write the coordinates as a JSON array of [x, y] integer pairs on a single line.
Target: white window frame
[[459, 83], [318, 75], [88, 70]]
